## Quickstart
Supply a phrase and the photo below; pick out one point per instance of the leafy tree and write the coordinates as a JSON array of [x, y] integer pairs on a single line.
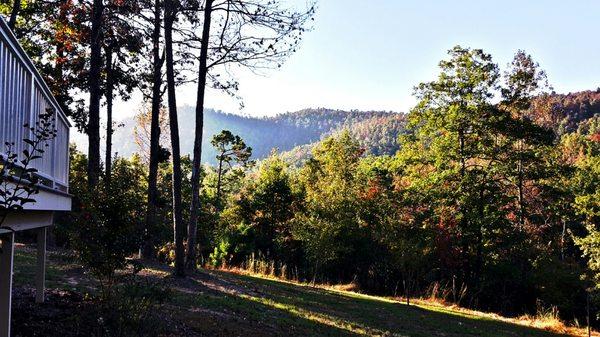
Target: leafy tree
[[249, 34], [454, 126], [53, 35], [258, 221], [105, 226], [588, 205], [330, 228], [394, 207], [230, 149], [528, 142], [586, 187], [490, 179], [274, 202]]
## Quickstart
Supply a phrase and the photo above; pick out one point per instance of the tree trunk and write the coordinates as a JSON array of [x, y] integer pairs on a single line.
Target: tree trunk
[[464, 221], [178, 226], [202, 72], [14, 14], [562, 240], [406, 283], [109, 110], [219, 177], [520, 186], [148, 247], [93, 127], [479, 234], [461, 146]]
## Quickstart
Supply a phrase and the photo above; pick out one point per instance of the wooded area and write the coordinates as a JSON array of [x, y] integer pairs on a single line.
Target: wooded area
[[490, 199]]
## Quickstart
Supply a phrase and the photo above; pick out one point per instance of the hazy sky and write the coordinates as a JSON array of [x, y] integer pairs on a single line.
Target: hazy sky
[[368, 54]]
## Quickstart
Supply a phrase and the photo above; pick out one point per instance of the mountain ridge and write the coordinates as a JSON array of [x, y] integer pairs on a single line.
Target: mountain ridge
[[295, 133], [283, 132]]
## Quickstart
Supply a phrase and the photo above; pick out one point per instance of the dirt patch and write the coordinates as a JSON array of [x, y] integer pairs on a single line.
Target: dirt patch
[[54, 317], [224, 324], [197, 281], [69, 314]]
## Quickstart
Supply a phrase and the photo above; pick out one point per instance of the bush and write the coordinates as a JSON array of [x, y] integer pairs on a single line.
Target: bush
[[107, 227], [132, 309]]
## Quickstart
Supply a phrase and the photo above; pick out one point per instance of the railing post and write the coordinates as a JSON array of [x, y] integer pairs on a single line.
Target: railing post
[[32, 118], [68, 160], [54, 147], [40, 274]]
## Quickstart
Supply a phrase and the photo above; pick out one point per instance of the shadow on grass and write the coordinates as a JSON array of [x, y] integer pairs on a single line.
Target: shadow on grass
[[217, 303], [233, 315], [61, 271], [288, 309]]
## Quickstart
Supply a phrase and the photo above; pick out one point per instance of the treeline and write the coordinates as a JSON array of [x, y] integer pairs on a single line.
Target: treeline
[[564, 112]]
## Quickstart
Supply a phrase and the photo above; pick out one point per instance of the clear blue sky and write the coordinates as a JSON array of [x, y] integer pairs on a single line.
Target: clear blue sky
[[368, 54]]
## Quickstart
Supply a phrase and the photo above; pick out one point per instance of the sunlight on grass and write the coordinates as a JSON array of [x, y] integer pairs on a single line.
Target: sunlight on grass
[[553, 325], [321, 318]]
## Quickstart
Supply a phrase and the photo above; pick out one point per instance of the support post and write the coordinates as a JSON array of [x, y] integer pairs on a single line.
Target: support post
[[40, 275], [6, 275]]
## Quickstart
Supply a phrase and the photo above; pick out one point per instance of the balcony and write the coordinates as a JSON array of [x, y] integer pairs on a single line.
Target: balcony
[[23, 96]]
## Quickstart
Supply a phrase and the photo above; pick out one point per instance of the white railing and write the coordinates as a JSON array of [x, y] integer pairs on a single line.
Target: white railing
[[23, 96]]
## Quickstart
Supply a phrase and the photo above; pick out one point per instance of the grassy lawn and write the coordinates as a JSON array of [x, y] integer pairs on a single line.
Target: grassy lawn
[[217, 303], [62, 271], [281, 308]]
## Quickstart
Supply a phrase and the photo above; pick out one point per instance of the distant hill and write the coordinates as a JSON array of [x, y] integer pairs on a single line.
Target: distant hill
[[564, 112], [378, 135], [295, 133], [377, 130]]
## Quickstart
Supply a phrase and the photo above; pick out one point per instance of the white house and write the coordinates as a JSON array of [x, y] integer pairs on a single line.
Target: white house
[[23, 96]]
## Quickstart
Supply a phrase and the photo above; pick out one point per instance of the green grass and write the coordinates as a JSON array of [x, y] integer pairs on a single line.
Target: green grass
[[62, 271], [282, 308], [216, 303]]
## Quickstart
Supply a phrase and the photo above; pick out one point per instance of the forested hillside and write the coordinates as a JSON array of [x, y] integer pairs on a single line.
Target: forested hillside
[[378, 130], [378, 135], [563, 112], [296, 133]]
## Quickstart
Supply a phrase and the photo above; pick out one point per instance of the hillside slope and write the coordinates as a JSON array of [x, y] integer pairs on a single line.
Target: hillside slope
[[378, 135], [564, 112], [283, 132], [295, 133], [218, 303]]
